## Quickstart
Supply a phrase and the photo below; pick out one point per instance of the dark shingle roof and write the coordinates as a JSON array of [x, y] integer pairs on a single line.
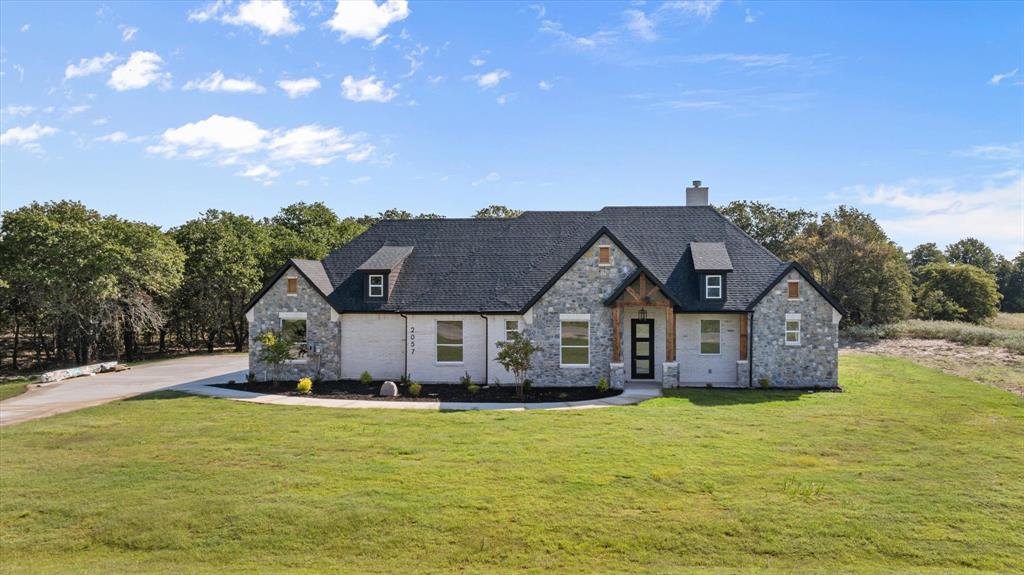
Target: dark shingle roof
[[710, 256], [386, 258], [503, 265]]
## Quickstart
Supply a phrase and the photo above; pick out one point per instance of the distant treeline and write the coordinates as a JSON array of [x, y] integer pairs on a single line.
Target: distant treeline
[[76, 285]]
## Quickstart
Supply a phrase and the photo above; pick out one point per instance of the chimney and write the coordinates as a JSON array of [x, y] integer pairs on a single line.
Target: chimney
[[697, 195]]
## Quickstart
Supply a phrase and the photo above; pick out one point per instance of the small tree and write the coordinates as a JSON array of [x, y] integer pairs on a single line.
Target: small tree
[[274, 350], [957, 293], [516, 355]]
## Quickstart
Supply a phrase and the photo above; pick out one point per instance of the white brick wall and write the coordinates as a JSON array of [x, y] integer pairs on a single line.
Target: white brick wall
[[374, 343], [423, 365], [496, 325], [697, 368]]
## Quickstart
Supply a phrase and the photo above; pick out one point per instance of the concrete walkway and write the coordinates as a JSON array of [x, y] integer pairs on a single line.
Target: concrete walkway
[[634, 393], [82, 392]]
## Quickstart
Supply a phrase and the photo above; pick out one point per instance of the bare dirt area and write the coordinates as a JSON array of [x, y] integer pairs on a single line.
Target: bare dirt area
[[988, 365]]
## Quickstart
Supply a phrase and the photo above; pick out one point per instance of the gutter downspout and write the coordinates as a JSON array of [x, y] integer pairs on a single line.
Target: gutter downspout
[[750, 351], [405, 352], [487, 349]]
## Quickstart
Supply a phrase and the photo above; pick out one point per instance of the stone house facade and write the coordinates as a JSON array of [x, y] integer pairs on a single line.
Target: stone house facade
[[676, 295]]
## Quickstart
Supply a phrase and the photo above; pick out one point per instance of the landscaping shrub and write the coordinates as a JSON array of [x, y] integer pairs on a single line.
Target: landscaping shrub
[[602, 385], [366, 378], [415, 389], [466, 380], [472, 388], [305, 385], [764, 383], [527, 384], [250, 377]]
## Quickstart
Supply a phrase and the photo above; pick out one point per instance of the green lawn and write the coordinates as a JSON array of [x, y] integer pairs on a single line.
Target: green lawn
[[13, 387], [908, 471]]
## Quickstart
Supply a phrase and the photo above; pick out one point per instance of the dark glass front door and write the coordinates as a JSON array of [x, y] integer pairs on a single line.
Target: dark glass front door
[[642, 346]]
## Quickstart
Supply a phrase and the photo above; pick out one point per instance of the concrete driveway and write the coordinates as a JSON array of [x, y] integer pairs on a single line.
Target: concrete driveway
[[82, 392]]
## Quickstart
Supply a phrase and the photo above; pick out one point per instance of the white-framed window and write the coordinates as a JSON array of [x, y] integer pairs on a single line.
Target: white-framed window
[[712, 287], [449, 341], [376, 285], [511, 326], [604, 255], [574, 338], [293, 285], [293, 328], [710, 337], [793, 289], [792, 329]]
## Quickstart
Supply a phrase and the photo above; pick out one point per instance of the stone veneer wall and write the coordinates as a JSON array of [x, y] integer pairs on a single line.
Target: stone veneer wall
[[581, 290], [812, 363], [320, 330]]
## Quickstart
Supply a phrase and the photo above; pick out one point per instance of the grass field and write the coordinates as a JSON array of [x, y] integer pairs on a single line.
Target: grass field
[[12, 387], [908, 471], [1006, 330]]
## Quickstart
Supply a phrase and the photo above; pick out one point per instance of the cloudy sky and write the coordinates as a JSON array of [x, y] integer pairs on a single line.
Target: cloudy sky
[[914, 112]]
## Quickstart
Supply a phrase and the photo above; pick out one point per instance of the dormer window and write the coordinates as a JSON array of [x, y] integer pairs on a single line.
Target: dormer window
[[713, 287], [376, 285]]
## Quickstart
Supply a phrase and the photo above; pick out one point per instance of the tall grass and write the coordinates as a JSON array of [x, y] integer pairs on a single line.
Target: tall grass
[[1006, 331]]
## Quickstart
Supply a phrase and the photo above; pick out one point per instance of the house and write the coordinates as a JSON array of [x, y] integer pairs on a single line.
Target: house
[[677, 295]]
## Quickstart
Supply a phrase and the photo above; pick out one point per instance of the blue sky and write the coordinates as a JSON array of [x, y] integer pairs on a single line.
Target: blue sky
[[913, 112]]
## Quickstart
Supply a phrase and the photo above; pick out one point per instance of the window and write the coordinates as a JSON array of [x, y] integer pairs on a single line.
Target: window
[[575, 340], [293, 329], [293, 286], [713, 287], [710, 337], [449, 342], [794, 289], [604, 255], [792, 329], [511, 326], [376, 285]]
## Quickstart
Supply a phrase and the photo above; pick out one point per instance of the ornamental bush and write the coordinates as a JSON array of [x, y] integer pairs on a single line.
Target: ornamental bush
[[415, 389], [602, 385], [366, 378], [305, 385]]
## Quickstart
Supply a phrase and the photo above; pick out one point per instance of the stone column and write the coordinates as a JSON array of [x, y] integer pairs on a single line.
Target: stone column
[[618, 375], [670, 374]]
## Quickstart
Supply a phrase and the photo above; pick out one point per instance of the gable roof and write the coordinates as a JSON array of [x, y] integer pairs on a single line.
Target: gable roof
[[505, 265], [783, 271], [312, 270], [710, 256], [386, 258]]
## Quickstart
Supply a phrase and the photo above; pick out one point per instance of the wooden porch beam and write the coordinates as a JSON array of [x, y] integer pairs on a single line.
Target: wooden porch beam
[[617, 333], [670, 334]]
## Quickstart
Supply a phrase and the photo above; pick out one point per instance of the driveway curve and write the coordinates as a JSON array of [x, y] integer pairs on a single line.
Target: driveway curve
[[82, 392]]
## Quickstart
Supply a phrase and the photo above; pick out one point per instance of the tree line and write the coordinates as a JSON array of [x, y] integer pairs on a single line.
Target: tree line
[[76, 285], [873, 278]]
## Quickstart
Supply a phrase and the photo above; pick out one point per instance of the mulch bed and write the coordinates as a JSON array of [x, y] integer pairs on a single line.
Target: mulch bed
[[350, 389]]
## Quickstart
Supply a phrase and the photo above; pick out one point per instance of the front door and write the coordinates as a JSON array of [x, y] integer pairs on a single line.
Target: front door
[[642, 346]]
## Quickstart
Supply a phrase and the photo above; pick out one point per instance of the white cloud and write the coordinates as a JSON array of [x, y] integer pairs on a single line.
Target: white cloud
[[75, 110], [300, 87], [378, 41], [89, 66], [944, 211], [233, 141], [504, 99], [435, 79], [259, 172], [596, 40], [491, 177], [314, 145], [544, 85], [27, 136], [702, 8], [640, 25], [128, 33], [216, 82], [750, 17], [216, 134], [272, 17], [414, 57], [100, 121], [368, 89], [25, 27], [360, 180], [366, 19], [477, 61], [207, 12], [998, 78], [114, 138], [141, 70], [491, 79], [1012, 151], [12, 110]]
